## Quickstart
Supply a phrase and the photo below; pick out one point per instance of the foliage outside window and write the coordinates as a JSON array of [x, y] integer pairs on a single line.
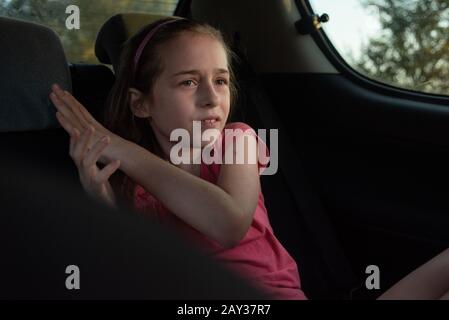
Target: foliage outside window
[[404, 43]]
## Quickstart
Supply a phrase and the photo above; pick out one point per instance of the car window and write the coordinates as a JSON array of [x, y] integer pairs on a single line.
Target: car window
[[403, 43], [60, 15]]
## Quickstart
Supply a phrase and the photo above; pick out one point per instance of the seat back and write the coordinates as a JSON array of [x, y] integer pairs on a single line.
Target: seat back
[[31, 60], [91, 86], [114, 33]]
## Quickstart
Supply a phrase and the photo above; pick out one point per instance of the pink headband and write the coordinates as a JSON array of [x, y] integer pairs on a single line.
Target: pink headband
[[147, 38]]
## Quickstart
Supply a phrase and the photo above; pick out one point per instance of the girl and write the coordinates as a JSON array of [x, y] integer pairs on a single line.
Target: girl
[[174, 72]]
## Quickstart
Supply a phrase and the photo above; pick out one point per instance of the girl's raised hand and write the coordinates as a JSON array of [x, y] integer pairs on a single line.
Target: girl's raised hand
[[74, 117], [94, 181]]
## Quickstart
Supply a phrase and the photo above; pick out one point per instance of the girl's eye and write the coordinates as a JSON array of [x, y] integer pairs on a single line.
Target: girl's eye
[[222, 81], [187, 83]]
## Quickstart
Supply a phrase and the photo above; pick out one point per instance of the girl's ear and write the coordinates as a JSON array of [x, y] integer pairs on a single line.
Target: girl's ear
[[139, 105]]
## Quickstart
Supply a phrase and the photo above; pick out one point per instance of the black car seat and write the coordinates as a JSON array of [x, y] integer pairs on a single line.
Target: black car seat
[[31, 60], [91, 85], [115, 31]]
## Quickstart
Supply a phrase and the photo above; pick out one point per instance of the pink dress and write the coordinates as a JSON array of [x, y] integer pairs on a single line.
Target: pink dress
[[259, 257]]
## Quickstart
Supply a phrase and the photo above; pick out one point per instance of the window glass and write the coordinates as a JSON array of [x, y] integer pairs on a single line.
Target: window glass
[[404, 43], [79, 43]]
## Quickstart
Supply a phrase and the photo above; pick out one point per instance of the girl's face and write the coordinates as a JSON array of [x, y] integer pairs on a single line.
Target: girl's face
[[193, 86]]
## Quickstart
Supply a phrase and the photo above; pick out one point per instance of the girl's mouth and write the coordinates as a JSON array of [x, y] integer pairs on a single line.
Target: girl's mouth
[[209, 123]]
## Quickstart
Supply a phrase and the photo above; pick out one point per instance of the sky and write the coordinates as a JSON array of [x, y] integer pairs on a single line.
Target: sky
[[349, 25]]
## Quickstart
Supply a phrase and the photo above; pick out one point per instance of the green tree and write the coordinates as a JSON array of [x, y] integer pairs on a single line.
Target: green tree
[[412, 49]]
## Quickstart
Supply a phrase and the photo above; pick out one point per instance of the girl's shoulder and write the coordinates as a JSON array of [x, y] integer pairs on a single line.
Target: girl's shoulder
[[245, 129], [236, 129]]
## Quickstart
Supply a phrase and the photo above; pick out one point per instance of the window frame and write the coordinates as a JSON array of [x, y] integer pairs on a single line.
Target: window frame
[[325, 44]]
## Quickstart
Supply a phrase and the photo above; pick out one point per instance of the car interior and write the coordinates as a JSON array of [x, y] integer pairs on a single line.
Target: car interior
[[363, 173]]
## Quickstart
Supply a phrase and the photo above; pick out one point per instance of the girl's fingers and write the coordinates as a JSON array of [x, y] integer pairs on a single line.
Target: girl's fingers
[[94, 154], [80, 110], [76, 107], [73, 139], [86, 116], [64, 123], [67, 106], [80, 148], [104, 174], [74, 111], [64, 110]]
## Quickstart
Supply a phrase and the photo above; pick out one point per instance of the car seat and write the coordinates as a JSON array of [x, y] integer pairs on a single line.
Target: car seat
[[31, 60]]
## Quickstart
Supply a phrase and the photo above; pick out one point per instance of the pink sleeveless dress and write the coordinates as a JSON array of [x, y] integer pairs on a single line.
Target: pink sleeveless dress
[[259, 257]]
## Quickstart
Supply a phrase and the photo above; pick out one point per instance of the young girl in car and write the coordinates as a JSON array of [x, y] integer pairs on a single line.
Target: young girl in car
[[175, 72]]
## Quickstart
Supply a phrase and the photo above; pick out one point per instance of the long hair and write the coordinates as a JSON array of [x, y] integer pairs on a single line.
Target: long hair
[[119, 118]]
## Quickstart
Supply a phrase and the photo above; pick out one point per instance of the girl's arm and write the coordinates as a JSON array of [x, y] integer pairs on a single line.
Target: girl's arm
[[222, 212], [428, 282]]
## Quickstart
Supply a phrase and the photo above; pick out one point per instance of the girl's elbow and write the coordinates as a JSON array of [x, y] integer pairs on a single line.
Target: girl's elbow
[[236, 233]]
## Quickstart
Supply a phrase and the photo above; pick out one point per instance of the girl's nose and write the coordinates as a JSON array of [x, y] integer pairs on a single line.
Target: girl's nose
[[208, 95]]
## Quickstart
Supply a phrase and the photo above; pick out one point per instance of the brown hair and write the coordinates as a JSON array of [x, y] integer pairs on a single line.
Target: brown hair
[[118, 116]]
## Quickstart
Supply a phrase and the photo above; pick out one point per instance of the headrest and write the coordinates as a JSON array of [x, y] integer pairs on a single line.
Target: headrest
[[31, 60], [115, 31]]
